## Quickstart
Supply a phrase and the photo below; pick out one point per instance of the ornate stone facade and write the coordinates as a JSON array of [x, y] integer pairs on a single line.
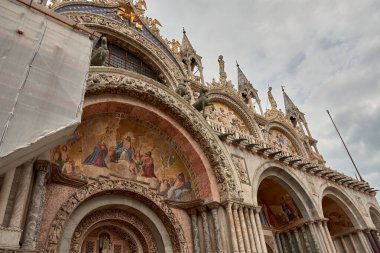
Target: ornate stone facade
[[154, 174]]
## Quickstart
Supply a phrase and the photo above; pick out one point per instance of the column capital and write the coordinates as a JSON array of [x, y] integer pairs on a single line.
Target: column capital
[[192, 211], [235, 206], [42, 166], [213, 205], [202, 209], [257, 209]]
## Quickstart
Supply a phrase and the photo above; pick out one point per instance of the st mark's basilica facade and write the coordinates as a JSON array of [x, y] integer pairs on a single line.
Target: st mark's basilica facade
[[164, 162]]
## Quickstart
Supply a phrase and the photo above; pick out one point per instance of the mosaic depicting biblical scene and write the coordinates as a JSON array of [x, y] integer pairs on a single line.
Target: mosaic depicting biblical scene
[[281, 141], [241, 168], [222, 114], [338, 220], [278, 207], [109, 144]]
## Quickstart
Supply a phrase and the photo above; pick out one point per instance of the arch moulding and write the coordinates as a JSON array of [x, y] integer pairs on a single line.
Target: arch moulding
[[345, 202], [164, 99], [130, 36], [289, 180], [64, 216]]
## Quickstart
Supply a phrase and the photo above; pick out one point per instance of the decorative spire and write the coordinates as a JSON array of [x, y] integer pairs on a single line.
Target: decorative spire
[[191, 59], [246, 89], [289, 105]]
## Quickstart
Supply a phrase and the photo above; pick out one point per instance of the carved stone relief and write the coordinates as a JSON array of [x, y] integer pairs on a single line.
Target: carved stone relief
[[138, 191]]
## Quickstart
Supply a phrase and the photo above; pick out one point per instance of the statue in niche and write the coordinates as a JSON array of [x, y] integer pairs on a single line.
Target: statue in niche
[[202, 100], [101, 54], [105, 243], [182, 90], [272, 102], [221, 64]]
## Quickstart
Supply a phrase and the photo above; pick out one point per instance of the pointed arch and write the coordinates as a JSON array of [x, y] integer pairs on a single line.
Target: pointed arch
[[375, 216]]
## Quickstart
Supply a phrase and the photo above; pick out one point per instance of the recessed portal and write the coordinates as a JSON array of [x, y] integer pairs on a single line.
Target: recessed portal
[[278, 206]]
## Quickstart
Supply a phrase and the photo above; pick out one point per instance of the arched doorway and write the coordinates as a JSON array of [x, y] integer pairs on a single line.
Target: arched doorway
[[287, 212], [343, 223]]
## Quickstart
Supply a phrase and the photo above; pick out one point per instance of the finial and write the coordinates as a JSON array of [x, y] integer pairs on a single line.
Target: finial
[[237, 64], [282, 88], [183, 30]]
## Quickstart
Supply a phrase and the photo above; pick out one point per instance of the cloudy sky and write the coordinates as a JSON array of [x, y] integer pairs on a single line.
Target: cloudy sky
[[326, 53]]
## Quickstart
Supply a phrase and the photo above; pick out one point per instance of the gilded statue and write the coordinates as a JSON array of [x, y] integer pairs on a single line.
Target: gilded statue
[[176, 46], [272, 102], [127, 12], [101, 54]]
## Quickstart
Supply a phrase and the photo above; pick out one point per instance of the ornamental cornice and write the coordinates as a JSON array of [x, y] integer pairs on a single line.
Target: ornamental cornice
[[167, 100], [123, 31], [101, 187]]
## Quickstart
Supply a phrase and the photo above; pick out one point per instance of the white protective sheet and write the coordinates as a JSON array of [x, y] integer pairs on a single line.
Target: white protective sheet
[[43, 68]]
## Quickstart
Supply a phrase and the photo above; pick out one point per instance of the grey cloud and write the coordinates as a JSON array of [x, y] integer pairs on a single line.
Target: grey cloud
[[327, 53]]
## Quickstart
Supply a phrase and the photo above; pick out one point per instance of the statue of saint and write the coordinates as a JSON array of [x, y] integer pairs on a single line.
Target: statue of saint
[[105, 244], [221, 64], [272, 102]]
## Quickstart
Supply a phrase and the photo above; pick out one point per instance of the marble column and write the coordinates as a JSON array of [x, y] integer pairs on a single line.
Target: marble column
[[353, 243], [247, 245], [36, 206], [372, 242], [4, 193], [305, 238], [260, 230], [323, 236], [255, 231], [343, 241], [327, 232], [218, 235], [195, 231], [284, 244], [249, 228], [234, 243], [206, 231], [364, 242], [314, 237], [298, 240], [238, 228], [22, 194], [375, 238], [278, 242], [292, 246]]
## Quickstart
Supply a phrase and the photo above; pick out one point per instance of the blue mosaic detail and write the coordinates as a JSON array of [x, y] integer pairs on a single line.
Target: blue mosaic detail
[[110, 13]]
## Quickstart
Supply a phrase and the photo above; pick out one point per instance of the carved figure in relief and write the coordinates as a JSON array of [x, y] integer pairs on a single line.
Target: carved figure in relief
[[272, 102], [202, 100], [183, 91], [100, 56]]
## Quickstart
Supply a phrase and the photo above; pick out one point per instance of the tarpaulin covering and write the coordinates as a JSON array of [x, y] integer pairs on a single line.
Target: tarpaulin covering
[[43, 68]]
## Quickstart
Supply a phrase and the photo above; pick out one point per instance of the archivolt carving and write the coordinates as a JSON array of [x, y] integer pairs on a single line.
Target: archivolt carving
[[168, 101], [121, 30], [113, 215], [141, 192]]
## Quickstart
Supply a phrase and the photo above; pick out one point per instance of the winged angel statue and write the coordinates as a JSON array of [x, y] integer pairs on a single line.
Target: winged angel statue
[[131, 12]]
